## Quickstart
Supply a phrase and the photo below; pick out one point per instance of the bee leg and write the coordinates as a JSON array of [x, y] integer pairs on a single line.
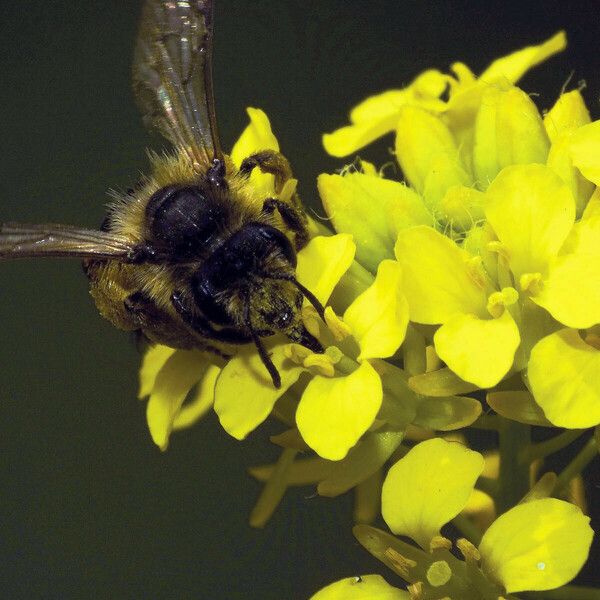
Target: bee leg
[[202, 326], [139, 306], [268, 161], [214, 350], [216, 173], [262, 351], [292, 217]]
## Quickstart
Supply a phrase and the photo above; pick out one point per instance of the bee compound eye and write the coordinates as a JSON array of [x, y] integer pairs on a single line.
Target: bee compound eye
[[184, 219], [208, 296], [276, 238]]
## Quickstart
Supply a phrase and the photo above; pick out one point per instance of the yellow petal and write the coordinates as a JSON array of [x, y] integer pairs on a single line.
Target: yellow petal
[[201, 402], [531, 210], [480, 351], [364, 587], [561, 162], [372, 118], [379, 316], [428, 487], [323, 261], [244, 393], [379, 108], [568, 113], [153, 361], [335, 412], [538, 545], [438, 281], [378, 115], [373, 210], [571, 292], [512, 67], [584, 237], [566, 116], [256, 137], [179, 374], [508, 131], [563, 376], [423, 142], [585, 151]]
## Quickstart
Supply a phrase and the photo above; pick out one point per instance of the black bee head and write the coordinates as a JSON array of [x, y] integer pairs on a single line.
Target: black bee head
[[249, 282], [234, 275]]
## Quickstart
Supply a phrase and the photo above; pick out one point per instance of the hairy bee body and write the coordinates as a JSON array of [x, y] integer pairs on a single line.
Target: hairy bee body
[[138, 296], [196, 256]]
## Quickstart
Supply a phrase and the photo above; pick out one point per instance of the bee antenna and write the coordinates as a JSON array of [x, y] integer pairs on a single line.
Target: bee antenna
[[262, 351], [305, 292]]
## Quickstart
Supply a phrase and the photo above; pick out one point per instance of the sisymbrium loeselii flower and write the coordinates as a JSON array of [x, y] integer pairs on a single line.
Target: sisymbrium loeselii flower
[[466, 297]]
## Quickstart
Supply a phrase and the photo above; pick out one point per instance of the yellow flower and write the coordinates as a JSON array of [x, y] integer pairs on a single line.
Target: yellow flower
[[428, 487], [563, 376], [537, 545], [380, 114], [540, 544], [445, 284], [168, 376], [344, 394], [512, 194]]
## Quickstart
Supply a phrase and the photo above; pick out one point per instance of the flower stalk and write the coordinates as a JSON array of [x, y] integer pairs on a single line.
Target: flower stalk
[[513, 482]]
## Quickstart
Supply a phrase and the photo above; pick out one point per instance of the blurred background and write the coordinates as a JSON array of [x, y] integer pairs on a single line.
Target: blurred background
[[89, 506]]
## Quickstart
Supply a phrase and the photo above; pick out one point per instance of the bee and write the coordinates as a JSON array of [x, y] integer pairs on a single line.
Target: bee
[[194, 257]]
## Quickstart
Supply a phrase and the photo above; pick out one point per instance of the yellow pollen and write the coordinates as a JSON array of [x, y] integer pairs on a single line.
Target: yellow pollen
[[439, 573]]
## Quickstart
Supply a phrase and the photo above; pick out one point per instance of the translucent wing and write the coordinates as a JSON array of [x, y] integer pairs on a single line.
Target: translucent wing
[[172, 75], [19, 240]]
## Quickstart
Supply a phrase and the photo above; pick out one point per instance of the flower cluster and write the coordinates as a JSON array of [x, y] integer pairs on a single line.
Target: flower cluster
[[481, 271], [498, 233], [540, 544]]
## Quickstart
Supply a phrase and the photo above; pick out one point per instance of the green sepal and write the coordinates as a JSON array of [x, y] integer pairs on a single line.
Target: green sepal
[[518, 406], [364, 459]]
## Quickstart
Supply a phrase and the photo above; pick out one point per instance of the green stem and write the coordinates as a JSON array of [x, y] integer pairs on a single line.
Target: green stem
[[488, 485], [514, 472], [567, 592], [552, 445], [467, 528], [487, 422], [576, 466], [346, 365]]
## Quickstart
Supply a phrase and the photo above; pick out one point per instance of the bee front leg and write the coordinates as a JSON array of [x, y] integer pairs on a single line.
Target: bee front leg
[[202, 326], [294, 219], [269, 161]]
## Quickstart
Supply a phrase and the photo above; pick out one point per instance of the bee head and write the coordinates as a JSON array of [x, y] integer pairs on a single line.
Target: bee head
[[276, 305], [249, 282]]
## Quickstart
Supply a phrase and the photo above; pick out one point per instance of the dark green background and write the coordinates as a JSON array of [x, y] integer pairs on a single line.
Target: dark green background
[[89, 507]]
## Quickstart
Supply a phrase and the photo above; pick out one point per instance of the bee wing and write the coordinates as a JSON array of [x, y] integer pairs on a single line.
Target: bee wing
[[172, 74], [19, 240]]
